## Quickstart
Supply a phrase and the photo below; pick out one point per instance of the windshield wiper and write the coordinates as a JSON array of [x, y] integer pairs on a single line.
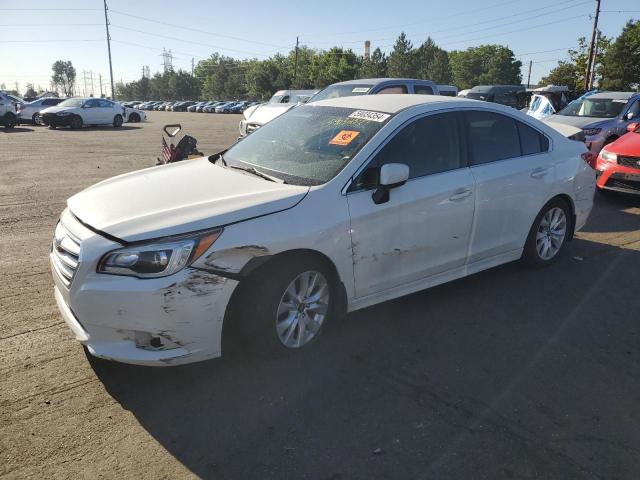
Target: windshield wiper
[[258, 173]]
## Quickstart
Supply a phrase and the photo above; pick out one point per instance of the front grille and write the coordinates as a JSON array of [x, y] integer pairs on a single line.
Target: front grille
[[633, 162], [65, 252], [624, 183]]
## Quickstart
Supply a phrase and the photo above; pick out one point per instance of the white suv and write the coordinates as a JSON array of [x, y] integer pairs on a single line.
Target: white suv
[[78, 112], [8, 111]]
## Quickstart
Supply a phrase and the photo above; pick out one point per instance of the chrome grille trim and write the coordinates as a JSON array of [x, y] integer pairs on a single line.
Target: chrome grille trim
[[65, 254]]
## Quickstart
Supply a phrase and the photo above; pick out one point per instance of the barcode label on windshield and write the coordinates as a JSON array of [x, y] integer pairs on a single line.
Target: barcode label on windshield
[[369, 115]]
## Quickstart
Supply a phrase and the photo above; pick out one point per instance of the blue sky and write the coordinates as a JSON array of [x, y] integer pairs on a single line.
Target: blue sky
[[32, 37]]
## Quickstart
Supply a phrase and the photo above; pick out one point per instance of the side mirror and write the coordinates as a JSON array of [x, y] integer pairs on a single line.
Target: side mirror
[[629, 116], [632, 127], [392, 175]]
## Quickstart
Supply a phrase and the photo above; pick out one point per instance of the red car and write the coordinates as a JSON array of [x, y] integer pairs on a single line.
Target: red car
[[618, 164]]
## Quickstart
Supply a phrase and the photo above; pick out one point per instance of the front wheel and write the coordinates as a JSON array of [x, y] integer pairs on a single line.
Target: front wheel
[[76, 122], [289, 307], [117, 121], [134, 118], [548, 235], [37, 119]]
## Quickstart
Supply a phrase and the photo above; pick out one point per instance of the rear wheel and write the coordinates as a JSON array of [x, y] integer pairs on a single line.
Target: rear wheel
[[134, 117], [117, 121], [37, 119], [9, 120], [548, 235]]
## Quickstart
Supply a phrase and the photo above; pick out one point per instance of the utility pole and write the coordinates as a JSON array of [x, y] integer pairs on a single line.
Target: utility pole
[[529, 75], [84, 81], [590, 61], [592, 74], [192, 66], [100, 78], [106, 24], [295, 65]]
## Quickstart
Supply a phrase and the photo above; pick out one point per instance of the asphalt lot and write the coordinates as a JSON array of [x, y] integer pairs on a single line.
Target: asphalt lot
[[512, 373]]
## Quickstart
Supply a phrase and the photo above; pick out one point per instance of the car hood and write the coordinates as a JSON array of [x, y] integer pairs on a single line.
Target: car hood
[[267, 112], [627, 145], [179, 198], [580, 122], [56, 109]]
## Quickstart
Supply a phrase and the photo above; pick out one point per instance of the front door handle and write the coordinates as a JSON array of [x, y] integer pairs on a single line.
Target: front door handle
[[539, 172], [460, 195]]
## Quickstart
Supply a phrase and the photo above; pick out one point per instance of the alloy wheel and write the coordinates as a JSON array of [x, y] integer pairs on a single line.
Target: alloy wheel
[[551, 233], [302, 309]]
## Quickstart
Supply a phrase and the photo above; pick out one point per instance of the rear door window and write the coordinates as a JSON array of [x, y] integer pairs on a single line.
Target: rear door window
[[492, 137], [422, 90], [531, 141], [393, 89]]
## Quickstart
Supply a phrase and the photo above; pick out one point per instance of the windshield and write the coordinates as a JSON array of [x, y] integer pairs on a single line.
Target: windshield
[[594, 107], [486, 96], [72, 102], [308, 145], [335, 91], [279, 99]]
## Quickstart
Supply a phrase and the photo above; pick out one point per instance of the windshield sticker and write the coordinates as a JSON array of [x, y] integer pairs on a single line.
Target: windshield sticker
[[344, 137], [361, 90], [369, 115]]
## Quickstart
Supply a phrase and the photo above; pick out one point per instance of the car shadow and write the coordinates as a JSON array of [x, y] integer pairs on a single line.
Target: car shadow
[[478, 374], [615, 212], [93, 129], [16, 130]]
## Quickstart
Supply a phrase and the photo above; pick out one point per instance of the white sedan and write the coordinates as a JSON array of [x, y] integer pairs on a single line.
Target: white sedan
[[329, 208], [77, 112], [30, 112]]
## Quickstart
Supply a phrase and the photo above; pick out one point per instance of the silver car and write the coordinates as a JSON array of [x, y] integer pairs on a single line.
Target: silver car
[[603, 117], [30, 112]]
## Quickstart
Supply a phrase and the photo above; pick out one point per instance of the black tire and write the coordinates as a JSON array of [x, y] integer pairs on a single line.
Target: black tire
[[53, 127], [37, 119], [9, 120], [254, 321], [117, 121], [76, 122], [531, 255], [134, 118]]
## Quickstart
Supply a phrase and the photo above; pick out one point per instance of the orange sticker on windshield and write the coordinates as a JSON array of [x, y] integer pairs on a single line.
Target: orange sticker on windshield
[[344, 137]]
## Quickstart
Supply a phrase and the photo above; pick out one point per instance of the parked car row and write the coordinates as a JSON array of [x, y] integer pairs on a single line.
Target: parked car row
[[74, 112], [203, 106]]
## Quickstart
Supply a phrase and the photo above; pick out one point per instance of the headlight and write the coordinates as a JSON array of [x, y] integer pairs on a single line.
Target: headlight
[[243, 127], [590, 132], [608, 156], [63, 114], [158, 259]]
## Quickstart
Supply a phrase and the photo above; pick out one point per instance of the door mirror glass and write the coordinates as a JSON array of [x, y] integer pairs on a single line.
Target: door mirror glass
[[630, 115], [393, 174]]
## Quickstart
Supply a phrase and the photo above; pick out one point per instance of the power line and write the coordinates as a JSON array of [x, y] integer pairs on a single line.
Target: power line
[[197, 30], [50, 24], [49, 9], [456, 15], [216, 47], [49, 41]]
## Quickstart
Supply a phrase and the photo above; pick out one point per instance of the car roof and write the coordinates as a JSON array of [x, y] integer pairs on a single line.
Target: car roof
[[381, 80], [613, 95], [392, 103]]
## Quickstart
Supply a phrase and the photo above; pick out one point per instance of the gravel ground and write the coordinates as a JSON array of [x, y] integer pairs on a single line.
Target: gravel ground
[[511, 373]]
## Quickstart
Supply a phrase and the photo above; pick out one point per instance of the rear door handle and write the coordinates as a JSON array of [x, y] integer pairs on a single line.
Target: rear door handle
[[460, 195], [539, 172]]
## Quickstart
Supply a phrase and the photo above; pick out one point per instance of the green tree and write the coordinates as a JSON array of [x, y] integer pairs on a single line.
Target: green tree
[[565, 73], [334, 65], [64, 76], [401, 60], [375, 66], [621, 62], [485, 65], [432, 62]]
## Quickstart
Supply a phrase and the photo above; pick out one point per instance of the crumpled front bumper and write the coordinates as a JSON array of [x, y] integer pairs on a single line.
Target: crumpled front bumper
[[158, 322]]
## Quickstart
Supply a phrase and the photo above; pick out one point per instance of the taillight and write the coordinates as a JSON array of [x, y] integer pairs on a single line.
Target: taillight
[[590, 158]]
